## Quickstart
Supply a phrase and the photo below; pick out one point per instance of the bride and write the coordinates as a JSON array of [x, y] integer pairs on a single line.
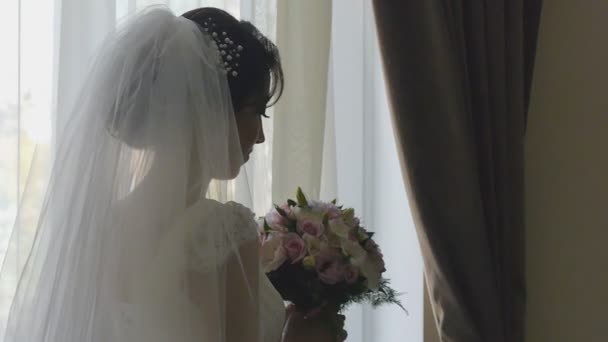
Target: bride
[[135, 239]]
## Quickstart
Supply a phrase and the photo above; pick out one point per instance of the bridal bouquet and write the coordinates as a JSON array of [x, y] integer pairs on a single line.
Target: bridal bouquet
[[317, 254]]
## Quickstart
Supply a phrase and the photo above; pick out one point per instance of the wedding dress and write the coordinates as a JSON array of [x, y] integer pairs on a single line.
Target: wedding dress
[[136, 238], [188, 242]]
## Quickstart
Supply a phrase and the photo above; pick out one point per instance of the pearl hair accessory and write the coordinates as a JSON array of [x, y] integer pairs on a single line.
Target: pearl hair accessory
[[229, 51]]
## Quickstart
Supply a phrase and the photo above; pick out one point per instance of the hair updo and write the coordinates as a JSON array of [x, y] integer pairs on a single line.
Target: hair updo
[[252, 65], [259, 71]]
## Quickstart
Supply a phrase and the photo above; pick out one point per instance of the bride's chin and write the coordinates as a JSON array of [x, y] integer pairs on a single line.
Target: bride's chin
[[229, 174]]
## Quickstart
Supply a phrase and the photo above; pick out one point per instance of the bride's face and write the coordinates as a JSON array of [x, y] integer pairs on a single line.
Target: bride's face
[[249, 120], [250, 127]]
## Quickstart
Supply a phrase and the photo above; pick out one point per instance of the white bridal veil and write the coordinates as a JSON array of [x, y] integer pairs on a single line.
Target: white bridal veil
[[153, 127]]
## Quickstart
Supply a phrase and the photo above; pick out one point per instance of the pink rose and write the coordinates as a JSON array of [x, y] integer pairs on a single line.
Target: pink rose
[[310, 227], [333, 274], [317, 206], [309, 222], [294, 246], [351, 274], [330, 266], [334, 213]]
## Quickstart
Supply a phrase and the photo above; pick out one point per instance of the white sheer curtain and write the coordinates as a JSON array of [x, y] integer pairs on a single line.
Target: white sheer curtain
[[27, 75], [303, 37], [361, 168]]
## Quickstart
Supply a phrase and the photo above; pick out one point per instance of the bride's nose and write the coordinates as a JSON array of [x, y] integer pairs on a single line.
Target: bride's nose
[[261, 136]]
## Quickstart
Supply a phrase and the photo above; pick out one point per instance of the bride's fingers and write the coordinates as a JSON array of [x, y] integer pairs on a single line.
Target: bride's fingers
[[291, 308], [313, 313]]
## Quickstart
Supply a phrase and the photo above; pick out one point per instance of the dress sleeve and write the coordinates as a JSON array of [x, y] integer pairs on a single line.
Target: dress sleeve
[[224, 276], [222, 230]]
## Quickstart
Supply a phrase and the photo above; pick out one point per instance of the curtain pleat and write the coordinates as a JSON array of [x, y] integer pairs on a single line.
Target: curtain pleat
[[458, 76]]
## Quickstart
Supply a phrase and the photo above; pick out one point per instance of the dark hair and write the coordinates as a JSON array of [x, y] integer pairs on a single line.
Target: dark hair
[[260, 64]]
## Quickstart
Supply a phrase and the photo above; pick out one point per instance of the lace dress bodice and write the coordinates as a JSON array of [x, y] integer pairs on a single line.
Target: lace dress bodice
[[239, 227], [201, 240]]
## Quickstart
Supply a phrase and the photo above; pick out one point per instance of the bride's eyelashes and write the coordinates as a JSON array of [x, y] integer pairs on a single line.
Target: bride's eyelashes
[[261, 110]]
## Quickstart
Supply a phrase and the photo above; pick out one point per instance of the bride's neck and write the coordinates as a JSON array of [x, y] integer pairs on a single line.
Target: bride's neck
[[195, 190], [197, 180], [195, 186]]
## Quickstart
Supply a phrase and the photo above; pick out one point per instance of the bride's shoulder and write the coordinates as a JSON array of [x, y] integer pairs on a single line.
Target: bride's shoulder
[[241, 214], [233, 220], [214, 229], [229, 211]]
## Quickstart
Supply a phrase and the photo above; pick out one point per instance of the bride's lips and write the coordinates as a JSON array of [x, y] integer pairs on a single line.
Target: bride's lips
[[247, 154]]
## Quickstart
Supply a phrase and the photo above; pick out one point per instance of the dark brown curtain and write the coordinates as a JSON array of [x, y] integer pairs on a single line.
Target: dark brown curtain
[[458, 75]]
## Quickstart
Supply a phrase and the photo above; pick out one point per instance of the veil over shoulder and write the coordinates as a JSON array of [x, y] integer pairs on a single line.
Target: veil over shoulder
[[125, 207]]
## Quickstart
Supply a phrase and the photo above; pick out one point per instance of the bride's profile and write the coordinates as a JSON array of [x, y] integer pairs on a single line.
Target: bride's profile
[[136, 239]]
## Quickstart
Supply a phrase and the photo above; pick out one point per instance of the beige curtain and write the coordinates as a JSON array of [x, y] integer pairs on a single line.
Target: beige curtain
[[458, 76], [303, 37]]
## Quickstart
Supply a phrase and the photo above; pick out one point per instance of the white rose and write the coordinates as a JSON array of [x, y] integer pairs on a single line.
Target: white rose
[[369, 266], [354, 250], [272, 253], [339, 228], [372, 272], [313, 244]]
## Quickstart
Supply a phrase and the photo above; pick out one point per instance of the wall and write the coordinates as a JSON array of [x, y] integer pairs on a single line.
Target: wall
[[567, 176]]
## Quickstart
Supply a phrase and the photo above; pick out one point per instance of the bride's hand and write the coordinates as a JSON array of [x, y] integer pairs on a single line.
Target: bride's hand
[[318, 326]]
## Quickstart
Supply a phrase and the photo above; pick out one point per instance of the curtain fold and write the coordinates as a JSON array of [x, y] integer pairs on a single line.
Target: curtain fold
[[458, 76], [303, 37]]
